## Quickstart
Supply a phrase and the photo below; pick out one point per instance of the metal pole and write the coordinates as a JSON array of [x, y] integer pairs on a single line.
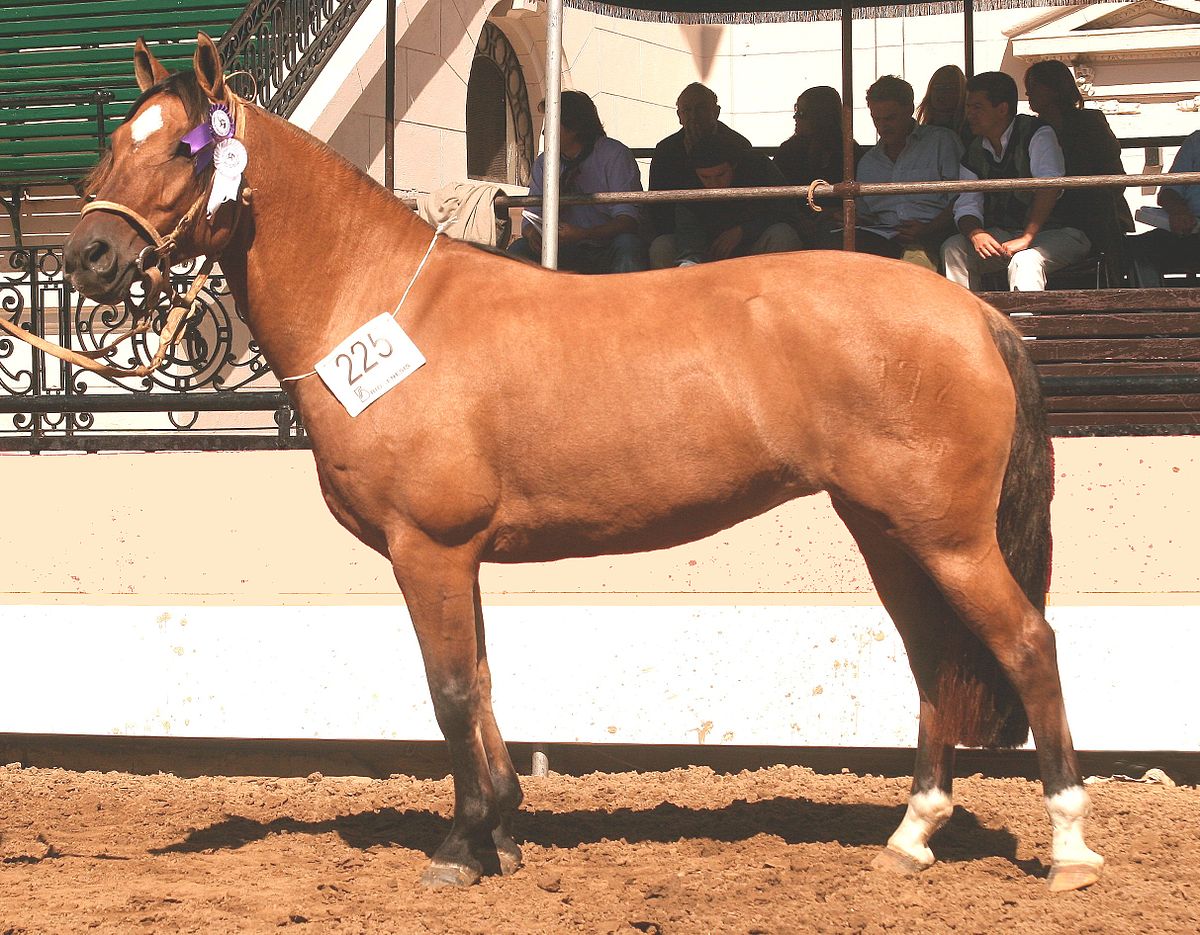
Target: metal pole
[[550, 129], [847, 121], [389, 99], [969, 37]]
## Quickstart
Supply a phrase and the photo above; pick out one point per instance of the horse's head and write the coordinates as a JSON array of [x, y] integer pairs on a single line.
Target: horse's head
[[145, 203]]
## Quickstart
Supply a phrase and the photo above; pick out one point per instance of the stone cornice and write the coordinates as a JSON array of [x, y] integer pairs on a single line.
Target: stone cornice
[[1147, 43]]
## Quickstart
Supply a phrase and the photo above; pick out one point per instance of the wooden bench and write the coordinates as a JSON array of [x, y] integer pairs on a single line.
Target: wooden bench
[[1114, 361]]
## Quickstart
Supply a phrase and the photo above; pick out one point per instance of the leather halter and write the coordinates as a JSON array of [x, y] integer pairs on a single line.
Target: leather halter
[[163, 248], [156, 274]]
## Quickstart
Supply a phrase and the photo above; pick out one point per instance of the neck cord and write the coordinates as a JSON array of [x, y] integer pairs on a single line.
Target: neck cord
[[441, 228]]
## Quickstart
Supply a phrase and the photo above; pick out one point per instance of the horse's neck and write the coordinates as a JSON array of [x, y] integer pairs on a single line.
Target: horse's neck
[[327, 246]]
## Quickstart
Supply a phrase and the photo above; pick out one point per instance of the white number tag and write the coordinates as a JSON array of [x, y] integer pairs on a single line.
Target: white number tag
[[369, 363]]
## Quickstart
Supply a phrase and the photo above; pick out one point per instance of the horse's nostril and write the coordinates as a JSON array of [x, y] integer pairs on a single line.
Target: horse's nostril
[[98, 257]]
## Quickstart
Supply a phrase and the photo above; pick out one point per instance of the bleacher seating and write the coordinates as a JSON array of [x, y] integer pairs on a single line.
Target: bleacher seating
[[1118, 359], [67, 76]]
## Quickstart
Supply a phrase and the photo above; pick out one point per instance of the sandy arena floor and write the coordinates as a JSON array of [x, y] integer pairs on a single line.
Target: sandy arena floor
[[773, 850]]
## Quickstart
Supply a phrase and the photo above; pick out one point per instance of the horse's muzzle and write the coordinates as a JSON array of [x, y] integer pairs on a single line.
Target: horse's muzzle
[[100, 269]]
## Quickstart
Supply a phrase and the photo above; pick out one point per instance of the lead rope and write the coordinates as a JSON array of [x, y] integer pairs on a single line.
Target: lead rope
[[167, 337], [441, 229]]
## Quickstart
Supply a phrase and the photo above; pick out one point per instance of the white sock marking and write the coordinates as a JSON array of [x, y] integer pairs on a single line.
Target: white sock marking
[[1067, 811], [927, 812], [147, 122]]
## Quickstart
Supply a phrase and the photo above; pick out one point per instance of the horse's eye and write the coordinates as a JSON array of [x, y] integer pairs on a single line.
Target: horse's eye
[[182, 149]]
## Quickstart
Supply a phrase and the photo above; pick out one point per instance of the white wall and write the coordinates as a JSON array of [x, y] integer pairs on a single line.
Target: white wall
[[243, 609]]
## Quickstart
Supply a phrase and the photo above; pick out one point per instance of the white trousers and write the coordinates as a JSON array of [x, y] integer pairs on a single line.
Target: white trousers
[[1027, 270]]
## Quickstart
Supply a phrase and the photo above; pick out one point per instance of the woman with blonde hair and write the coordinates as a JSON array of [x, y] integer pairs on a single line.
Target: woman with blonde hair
[[944, 103]]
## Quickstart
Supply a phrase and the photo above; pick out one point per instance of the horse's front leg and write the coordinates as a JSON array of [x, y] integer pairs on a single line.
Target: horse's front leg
[[439, 588], [504, 778]]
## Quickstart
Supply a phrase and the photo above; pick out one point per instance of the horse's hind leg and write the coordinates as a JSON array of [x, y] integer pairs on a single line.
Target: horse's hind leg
[[439, 588], [504, 778], [926, 625], [973, 576]]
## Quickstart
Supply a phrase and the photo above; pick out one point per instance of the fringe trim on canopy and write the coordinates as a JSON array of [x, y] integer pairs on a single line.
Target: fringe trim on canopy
[[816, 12]]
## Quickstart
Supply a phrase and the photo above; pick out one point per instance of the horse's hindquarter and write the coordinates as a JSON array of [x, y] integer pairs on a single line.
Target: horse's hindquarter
[[600, 414]]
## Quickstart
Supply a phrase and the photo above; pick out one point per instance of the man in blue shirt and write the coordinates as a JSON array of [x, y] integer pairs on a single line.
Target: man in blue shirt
[[910, 227], [592, 238], [1179, 247]]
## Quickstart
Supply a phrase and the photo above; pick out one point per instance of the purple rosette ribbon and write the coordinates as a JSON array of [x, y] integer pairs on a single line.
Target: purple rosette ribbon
[[201, 139]]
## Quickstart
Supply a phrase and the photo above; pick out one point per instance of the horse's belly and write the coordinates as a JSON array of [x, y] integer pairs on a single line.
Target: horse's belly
[[546, 532]]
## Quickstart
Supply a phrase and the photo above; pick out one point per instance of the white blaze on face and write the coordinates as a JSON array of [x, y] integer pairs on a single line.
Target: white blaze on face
[[927, 812], [147, 122], [1067, 811]]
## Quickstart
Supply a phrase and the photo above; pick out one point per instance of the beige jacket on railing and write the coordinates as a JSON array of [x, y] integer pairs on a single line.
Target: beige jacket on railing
[[470, 204]]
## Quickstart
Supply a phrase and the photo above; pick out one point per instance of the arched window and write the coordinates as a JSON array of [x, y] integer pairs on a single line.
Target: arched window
[[499, 126], [487, 122]]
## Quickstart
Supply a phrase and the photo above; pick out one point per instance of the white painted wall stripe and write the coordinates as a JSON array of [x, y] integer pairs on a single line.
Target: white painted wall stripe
[[666, 674]]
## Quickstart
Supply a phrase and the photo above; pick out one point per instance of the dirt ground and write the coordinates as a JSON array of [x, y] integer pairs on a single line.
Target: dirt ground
[[776, 850]]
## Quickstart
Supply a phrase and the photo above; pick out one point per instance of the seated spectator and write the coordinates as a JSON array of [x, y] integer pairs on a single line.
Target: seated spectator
[[717, 230], [592, 238], [909, 227], [697, 110], [944, 102], [1014, 230], [814, 152], [1089, 148], [1179, 247]]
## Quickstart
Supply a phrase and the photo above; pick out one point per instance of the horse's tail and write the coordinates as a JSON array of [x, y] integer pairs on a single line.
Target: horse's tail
[[977, 703]]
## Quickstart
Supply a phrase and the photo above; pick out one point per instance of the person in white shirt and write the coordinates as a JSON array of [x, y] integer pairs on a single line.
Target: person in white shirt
[[1016, 230], [910, 227]]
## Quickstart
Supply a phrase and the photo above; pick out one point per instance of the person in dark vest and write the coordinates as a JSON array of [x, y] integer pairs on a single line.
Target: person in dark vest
[[697, 110], [717, 230], [1014, 230]]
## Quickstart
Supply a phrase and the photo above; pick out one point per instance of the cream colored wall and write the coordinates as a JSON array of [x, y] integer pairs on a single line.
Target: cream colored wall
[[211, 595], [235, 528]]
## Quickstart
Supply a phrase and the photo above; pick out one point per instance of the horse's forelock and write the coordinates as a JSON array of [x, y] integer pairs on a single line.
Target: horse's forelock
[[182, 85]]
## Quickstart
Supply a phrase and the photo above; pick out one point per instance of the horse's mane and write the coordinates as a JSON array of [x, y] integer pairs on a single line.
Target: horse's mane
[[329, 163]]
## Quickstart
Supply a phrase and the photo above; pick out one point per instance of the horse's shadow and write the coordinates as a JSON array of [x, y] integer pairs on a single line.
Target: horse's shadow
[[797, 821]]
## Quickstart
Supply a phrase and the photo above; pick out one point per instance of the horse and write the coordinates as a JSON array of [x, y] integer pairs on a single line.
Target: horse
[[560, 415]]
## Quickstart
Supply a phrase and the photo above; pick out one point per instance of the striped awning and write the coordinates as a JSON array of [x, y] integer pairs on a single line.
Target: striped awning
[[784, 11]]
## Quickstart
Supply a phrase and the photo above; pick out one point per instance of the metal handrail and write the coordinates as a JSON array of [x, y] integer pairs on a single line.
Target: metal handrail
[[856, 189]]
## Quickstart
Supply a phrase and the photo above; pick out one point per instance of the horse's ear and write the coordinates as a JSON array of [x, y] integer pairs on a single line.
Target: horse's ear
[[207, 65], [146, 67]]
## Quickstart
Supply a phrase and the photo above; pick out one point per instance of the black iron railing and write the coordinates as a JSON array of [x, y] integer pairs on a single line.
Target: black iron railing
[[215, 390], [283, 44]]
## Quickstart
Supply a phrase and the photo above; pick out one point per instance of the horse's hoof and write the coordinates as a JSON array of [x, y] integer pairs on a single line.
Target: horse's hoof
[[448, 876], [510, 862], [508, 853], [895, 862], [1067, 877]]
